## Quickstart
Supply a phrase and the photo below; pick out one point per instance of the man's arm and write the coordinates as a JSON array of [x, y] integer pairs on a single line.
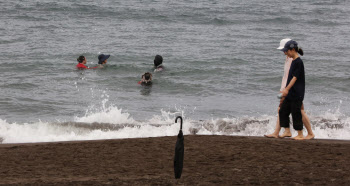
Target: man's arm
[[290, 85]]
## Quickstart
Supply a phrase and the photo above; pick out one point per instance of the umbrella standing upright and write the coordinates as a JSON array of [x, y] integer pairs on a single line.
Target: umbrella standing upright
[[179, 152]]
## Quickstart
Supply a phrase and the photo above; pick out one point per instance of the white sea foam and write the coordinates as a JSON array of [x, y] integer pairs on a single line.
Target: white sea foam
[[107, 115], [113, 123]]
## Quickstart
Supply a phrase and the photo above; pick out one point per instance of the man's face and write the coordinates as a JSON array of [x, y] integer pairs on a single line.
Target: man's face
[[289, 53]]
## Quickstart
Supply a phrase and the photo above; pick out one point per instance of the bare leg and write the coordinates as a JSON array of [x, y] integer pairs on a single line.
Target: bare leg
[[277, 130], [300, 135], [306, 121]]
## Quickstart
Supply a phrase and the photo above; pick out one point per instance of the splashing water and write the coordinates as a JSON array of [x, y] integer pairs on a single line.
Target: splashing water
[[113, 123]]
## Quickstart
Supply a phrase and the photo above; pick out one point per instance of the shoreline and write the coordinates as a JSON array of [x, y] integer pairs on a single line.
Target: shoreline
[[209, 159], [96, 140]]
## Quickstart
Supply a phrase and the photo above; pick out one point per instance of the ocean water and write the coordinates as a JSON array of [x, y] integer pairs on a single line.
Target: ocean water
[[223, 71]]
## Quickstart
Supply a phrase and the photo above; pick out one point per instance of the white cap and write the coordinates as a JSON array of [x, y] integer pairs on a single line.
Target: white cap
[[283, 42]]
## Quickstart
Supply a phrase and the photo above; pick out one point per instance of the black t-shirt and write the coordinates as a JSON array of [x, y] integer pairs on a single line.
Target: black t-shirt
[[297, 91]]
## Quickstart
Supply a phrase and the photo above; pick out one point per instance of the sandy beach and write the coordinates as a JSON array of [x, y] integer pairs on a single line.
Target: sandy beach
[[209, 160]]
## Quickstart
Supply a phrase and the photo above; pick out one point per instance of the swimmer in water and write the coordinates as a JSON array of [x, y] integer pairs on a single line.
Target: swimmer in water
[[158, 63], [81, 63], [146, 79], [102, 60]]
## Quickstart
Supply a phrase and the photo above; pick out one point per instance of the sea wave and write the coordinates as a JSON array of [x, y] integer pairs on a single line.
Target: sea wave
[[113, 123]]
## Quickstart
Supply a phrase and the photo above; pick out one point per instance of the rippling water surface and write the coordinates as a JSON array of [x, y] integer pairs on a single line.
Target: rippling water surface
[[223, 71]]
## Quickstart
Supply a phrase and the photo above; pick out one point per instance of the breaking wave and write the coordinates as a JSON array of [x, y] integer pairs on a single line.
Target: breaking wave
[[113, 123]]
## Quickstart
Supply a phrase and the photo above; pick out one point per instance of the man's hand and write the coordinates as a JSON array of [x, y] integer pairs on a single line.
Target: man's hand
[[290, 85], [284, 92]]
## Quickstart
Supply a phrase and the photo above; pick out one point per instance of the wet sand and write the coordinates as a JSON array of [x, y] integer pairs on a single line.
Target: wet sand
[[209, 160]]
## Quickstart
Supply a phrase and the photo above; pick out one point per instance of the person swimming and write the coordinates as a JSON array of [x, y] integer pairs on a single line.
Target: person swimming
[[158, 63], [81, 63], [102, 60], [146, 79]]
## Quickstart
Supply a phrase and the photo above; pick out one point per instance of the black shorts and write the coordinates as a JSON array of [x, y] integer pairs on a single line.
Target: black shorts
[[288, 107]]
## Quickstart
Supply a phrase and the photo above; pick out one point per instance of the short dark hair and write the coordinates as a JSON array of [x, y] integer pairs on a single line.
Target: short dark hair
[[158, 60], [80, 59], [147, 76]]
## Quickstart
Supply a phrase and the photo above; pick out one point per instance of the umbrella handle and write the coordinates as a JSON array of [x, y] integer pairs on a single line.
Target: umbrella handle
[[180, 122]]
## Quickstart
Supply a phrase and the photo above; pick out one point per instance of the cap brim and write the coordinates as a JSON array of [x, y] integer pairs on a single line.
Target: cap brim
[[279, 48], [284, 49], [104, 58]]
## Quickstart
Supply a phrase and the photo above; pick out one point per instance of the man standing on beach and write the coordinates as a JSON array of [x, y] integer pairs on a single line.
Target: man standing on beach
[[305, 118], [295, 90]]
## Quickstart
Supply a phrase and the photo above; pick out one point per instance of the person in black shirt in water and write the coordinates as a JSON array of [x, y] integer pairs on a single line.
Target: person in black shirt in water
[[158, 63], [294, 91]]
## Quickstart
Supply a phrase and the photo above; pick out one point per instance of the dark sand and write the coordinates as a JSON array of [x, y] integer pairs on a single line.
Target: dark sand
[[209, 160]]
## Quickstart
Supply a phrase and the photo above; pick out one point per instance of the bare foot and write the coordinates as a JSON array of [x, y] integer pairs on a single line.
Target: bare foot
[[271, 135], [298, 137], [310, 136], [286, 135]]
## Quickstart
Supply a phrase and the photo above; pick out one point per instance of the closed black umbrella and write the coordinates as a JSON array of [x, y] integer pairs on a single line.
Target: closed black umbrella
[[179, 152]]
